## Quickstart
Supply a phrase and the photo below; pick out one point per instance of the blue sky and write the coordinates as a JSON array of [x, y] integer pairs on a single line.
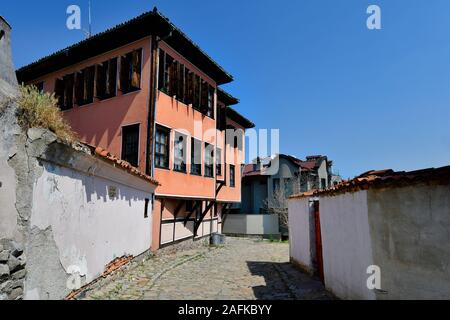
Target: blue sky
[[369, 99]]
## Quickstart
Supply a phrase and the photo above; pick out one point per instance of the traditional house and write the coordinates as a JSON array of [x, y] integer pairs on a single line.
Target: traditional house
[[145, 91], [266, 185], [381, 235]]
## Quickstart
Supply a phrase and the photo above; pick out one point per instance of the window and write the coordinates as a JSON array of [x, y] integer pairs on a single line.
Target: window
[[210, 107], [323, 183], [221, 118], [84, 86], [218, 162], [209, 160], [204, 97], [165, 71], [180, 152], [275, 184], [40, 86], [181, 83], [146, 207], [106, 82], [64, 91], [130, 144], [196, 92], [196, 156], [162, 148], [232, 176], [130, 71]]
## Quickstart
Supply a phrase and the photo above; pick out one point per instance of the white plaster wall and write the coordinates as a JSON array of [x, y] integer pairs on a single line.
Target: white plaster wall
[[410, 229], [89, 228], [299, 232], [251, 224], [346, 244]]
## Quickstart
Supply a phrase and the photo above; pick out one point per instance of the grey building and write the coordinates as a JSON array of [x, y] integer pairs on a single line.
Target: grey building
[[285, 173]]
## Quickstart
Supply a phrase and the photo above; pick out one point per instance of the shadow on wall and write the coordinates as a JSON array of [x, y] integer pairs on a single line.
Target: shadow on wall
[[93, 187], [284, 282]]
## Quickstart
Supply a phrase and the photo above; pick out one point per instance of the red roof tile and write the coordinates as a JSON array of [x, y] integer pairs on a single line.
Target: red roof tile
[[107, 156], [385, 178]]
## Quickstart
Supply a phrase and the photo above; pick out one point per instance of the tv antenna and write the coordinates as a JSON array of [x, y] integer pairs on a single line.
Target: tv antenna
[[88, 33]]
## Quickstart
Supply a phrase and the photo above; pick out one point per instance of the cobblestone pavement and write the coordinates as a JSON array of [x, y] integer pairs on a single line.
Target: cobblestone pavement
[[242, 269]]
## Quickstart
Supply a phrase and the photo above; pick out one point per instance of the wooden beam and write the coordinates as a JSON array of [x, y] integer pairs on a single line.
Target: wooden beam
[[198, 222]]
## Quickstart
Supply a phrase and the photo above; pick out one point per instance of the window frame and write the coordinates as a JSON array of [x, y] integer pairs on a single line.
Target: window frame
[[157, 154], [182, 169], [193, 164], [233, 181], [208, 165], [138, 143]]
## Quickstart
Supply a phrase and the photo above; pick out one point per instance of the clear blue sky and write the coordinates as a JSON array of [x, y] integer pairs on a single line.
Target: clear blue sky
[[367, 99]]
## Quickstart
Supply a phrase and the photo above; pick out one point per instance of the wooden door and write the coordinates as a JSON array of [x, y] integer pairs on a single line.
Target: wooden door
[[318, 236]]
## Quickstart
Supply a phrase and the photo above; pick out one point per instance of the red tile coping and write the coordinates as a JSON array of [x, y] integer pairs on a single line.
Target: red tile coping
[[383, 179]]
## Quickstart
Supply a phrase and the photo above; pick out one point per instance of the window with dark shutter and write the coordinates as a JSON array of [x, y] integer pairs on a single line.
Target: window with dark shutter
[[196, 157], [89, 80], [218, 162], [130, 144], [59, 92], [232, 176], [162, 147], [100, 83], [187, 83], [196, 92], [161, 71], [124, 83], [79, 88], [204, 97], [210, 109], [174, 79], [136, 70], [179, 150], [168, 73], [111, 80], [181, 86], [68, 91], [209, 160]]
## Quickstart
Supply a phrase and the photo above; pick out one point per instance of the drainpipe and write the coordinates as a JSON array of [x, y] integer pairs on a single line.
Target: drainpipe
[[151, 124]]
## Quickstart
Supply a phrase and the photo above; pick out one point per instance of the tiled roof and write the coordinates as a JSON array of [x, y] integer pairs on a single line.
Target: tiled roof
[[383, 179], [117, 162], [122, 34], [311, 163]]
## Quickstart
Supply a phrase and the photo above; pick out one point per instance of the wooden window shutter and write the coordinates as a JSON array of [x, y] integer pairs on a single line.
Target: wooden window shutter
[[204, 97], [180, 94], [111, 83], [79, 88], [59, 92], [124, 74], [187, 99], [89, 74], [68, 91], [100, 81], [136, 69], [174, 78], [190, 87], [161, 64]]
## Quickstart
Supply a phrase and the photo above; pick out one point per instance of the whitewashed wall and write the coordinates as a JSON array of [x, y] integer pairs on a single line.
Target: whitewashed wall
[[79, 225], [346, 244], [251, 224], [300, 233]]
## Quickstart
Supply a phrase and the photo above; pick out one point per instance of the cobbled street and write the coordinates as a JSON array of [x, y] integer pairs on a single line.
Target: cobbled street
[[241, 269]]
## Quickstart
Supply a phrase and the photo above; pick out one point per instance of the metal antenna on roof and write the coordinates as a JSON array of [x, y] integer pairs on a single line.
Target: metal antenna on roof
[[88, 33]]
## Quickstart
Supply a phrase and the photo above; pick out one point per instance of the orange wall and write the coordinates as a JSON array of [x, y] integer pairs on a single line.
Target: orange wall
[[100, 123]]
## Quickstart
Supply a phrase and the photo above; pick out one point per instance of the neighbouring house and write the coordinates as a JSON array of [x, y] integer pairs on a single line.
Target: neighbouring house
[[144, 91], [386, 226], [266, 185]]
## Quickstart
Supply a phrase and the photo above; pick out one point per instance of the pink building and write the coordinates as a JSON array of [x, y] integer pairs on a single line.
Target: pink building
[[145, 92]]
